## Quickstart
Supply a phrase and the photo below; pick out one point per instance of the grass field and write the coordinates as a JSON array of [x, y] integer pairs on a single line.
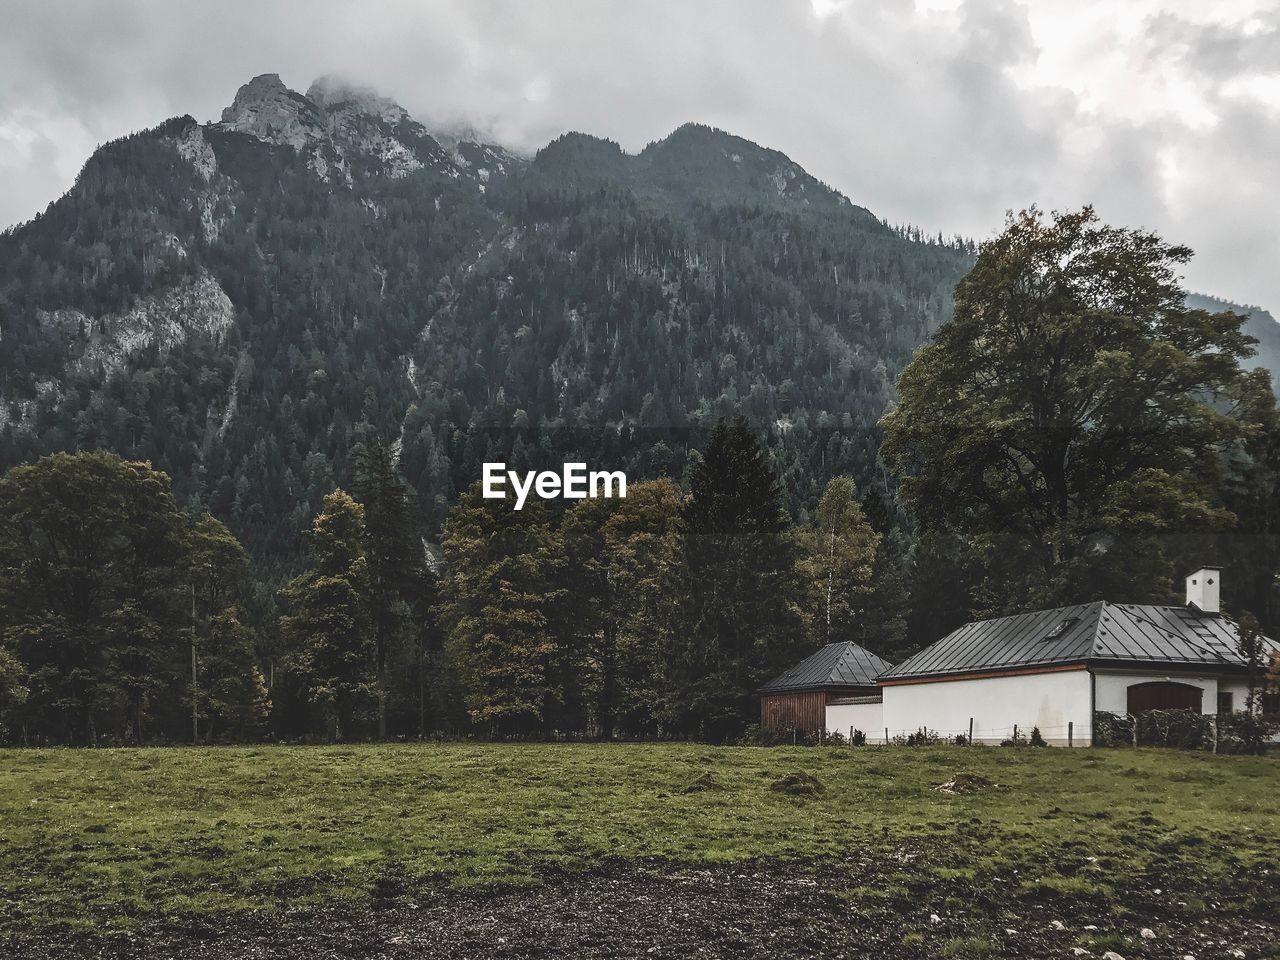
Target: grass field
[[108, 838]]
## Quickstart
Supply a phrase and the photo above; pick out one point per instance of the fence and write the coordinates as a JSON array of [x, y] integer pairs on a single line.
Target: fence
[[1178, 729]]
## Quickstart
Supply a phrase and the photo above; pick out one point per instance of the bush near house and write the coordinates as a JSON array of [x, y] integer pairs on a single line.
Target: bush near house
[[1231, 733]]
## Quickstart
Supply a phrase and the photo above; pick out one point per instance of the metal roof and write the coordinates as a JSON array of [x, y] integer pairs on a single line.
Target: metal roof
[[1087, 632], [835, 666]]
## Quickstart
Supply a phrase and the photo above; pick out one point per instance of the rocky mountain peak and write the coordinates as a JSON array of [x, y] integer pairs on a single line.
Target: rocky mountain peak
[[265, 108], [334, 93]]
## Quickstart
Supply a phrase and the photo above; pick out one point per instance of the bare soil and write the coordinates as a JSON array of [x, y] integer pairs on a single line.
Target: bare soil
[[660, 910]]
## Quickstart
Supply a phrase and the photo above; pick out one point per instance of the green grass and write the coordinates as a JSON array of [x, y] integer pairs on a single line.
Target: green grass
[[105, 837]]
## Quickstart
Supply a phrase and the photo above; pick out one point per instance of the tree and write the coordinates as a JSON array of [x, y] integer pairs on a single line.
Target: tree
[[621, 555], [94, 591], [220, 564], [840, 549], [393, 549], [330, 629], [503, 580], [13, 688], [232, 691], [741, 597], [1072, 410]]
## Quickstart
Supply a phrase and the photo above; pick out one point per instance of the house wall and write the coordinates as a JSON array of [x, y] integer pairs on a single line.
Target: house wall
[[867, 717], [1239, 690], [804, 710], [1112, 689], [1050, 701]]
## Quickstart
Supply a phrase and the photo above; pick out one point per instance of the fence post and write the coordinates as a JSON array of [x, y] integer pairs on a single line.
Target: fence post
[[1135, 731], [886, 736], [851, 735], [971, 731], [1214, 721], [1015, 731], [1071, 733]]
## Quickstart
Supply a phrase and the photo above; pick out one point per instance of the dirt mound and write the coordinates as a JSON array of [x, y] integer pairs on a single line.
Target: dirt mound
[[798, 785], [702, 784], [964, 783]]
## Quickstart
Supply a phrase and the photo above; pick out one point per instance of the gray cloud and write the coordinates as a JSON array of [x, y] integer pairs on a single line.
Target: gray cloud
[[924, 117]]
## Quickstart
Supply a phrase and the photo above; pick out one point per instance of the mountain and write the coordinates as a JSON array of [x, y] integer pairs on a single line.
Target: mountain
[[1259, 324], [242, 301]]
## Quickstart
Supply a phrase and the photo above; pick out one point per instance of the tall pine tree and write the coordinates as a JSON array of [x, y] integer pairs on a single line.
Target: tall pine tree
[[504, 580], [330, 629], [394, 553], [741, 597]]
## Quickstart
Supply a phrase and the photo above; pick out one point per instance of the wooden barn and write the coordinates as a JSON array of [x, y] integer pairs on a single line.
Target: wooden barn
[[798, 698]]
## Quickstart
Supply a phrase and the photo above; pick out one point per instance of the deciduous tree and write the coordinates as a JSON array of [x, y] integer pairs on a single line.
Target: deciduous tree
[[1073, 410]]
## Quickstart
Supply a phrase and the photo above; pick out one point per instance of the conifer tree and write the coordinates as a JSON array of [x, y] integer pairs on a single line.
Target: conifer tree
[[230, 702], [394, 552], [621, 556], [504, 578], [741, 602], [330, 629]]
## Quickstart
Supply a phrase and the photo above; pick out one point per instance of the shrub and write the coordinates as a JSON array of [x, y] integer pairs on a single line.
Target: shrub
[[924, 737], [1182, 729], [1112, 729], [758, 736], [1245, 732], [859, 739], [1019, 739], [1036, 739]]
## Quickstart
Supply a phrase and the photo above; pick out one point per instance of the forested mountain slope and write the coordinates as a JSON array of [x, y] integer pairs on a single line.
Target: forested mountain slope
[[240, 301], [1260, 325]]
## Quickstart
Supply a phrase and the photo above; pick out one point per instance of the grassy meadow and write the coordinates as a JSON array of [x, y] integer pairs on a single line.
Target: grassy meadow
[[105, 838]]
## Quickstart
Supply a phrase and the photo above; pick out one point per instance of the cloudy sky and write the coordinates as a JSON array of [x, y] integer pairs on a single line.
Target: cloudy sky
[[941, 113]]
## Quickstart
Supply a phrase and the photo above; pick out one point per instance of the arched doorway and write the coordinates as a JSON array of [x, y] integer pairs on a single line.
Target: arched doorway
[[1164, 695]]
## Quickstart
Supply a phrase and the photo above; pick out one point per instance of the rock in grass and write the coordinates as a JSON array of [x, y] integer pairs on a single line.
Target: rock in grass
[[1147, 933], [1112, 955], [798, 785], [963, 783]]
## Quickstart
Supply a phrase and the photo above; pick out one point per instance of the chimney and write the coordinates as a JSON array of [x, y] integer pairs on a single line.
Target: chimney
[[1203, 588]]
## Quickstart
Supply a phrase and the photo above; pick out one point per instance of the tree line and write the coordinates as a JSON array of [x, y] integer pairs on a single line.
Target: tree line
[[1075, 432], [656, 615]]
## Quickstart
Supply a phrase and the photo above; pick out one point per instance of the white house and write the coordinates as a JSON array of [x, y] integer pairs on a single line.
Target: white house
[[1054, 669]]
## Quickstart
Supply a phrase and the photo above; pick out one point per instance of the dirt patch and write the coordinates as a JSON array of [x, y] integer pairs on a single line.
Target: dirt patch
[[660, 910], [964, 783], [798, 785], [702, 784]]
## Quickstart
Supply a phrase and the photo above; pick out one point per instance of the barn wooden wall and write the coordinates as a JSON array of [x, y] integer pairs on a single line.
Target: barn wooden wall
[[806, 710]]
